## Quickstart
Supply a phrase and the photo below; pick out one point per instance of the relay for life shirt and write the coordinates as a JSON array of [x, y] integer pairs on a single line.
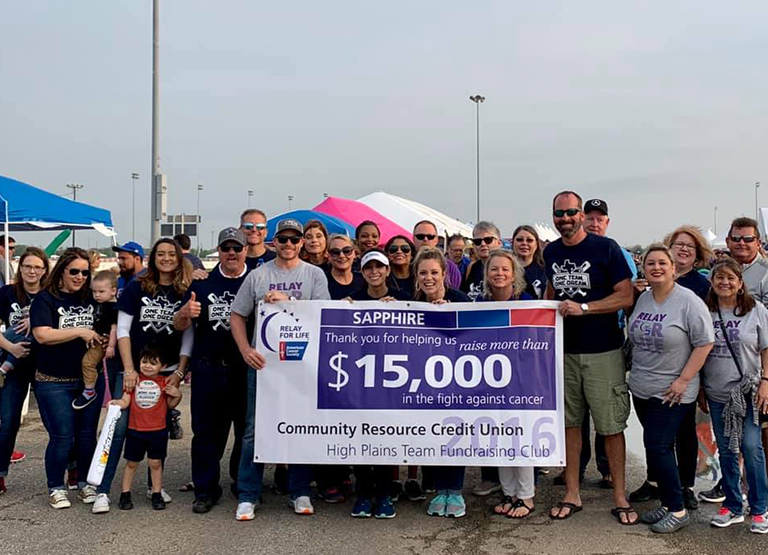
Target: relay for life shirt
[[748, 335], [149, 404], [663, 335], [584, 273], [68, 311]]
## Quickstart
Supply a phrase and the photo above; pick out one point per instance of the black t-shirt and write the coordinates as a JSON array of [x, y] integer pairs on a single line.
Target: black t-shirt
[[68, 311], [152, 319], [105, 315], [583, 273], [536, 280], [11, 313], [404, 284], [472, 284], [362, 295], [456, 296], [213, 338], [696, 282], [340, 291], [254, 262]]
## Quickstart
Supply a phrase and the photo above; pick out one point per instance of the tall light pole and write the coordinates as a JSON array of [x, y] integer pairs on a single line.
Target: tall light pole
[[757, 209], [477, 99], [290, 200], [75, 188], [157, 187], [134, 177], [715, 220], [199, 227], [250, 194]]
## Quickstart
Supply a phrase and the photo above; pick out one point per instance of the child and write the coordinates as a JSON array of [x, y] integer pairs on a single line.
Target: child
[[147, 433], [104, 289], [14, 335]]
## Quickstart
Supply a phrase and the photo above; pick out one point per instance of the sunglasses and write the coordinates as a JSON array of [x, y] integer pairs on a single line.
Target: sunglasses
[[11, 247], [570, 212], [346, 251], [282, 239], [425, 236], [477, 241], [249, 226], [405, 249], [745, 238], [236, 248], [74, 271]]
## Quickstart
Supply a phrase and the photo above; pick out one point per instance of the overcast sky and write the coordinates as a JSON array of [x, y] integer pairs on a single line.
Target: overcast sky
[[657, 107]]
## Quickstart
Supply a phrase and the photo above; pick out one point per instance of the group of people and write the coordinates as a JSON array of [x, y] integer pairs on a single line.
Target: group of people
[[681, 336]]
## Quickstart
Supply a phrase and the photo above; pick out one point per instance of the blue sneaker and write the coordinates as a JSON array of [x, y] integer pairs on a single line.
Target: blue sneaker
[[437, 505], [362, 508], [455, 506], [385, 508]]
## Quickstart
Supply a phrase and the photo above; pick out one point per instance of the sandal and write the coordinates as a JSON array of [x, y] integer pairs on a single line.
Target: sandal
[[520, 504], [499, 509], [573, 508], [618, 511]]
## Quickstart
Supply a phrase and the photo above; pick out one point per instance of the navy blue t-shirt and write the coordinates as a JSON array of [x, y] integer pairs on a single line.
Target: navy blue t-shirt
[[363, 295], [472, 284], [454, 296], [696, 282], [67, 311], [403, 284], [11, 313], [152, 319], [254, 262], [340, 291], [536, 280], [524, 296], [583, 273]]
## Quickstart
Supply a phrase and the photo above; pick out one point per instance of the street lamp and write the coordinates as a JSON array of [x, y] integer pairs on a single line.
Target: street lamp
[[199, 188], [757, 210], [477, 99], [250, 194], [75, 188], [134, 177], [715, 220], [290, 200]]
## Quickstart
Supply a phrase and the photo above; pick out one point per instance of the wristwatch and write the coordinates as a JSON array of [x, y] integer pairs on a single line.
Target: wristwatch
[[584, 308]]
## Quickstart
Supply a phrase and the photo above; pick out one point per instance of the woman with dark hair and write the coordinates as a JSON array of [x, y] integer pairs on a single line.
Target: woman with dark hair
[[61, 318], [735, 393], [18, 369], [400, 251], [315, 249], [376, 273], [342, 280], [527, 247], [367, 236]]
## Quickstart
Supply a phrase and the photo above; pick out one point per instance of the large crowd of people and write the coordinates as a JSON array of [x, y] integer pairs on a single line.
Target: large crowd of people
[[674, 333]]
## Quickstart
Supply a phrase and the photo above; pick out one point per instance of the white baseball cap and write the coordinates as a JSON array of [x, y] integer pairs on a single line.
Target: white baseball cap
[[374, 255]]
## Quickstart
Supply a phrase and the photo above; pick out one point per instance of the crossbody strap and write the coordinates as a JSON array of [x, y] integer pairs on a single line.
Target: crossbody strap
[[728, 342]]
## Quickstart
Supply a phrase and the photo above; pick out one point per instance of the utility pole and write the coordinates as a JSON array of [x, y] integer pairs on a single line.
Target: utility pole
[[75, 188], [477, 99]]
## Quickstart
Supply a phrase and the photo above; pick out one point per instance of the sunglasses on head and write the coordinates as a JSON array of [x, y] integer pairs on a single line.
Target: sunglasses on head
[[745, 238], [477, 241], [346, 251], [227, 248], [249, 226], [74, 271], [570, 212], [405, 249], [283, 239], [425, 236]]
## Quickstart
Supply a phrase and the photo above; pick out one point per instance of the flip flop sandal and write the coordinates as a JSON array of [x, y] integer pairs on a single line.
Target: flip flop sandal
[[574, 508], [618, 511], [505, 500], [520, 504]]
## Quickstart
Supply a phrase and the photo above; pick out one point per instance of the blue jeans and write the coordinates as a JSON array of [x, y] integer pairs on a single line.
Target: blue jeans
[[118, 438], [14, 337], [67, 427], [754, 463], [661, 423], [11, 402]]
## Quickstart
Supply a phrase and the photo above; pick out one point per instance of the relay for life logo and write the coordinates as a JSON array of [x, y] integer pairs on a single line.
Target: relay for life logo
[[282, 332]]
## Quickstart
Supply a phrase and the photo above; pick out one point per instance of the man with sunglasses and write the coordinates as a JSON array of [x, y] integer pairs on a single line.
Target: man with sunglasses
[[425, 234], [11, 248], [743, 241], [588, 274], [287, 277], [219, 386], [253, 223], [486, 238]]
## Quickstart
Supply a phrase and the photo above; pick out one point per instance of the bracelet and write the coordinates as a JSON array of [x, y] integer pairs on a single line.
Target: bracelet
[[179, 373]]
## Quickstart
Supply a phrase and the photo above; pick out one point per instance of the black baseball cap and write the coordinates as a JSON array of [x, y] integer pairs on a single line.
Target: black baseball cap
[[596, 204]]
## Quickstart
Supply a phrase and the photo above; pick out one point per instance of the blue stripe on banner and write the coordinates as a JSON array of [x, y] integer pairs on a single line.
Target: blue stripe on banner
[[483, 318]]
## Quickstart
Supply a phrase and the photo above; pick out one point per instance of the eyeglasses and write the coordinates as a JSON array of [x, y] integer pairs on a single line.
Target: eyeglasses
[[29, 268], [425, 236], [283, 239], [227, 248], [346, 251], [405, 249], [683, 246], [745, 238], [250, 226], [74, 271], [477, 241], [570, 212]]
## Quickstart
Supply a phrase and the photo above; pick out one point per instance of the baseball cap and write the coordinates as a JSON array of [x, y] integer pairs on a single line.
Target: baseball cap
[[596, 204], [232, 234], [374, 255], [289, 225], [131, 247]]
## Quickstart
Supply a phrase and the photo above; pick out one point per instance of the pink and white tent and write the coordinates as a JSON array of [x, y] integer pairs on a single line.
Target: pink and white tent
[[354, 212]]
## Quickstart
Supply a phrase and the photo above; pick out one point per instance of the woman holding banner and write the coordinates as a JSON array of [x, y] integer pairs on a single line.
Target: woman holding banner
[[429, 268]]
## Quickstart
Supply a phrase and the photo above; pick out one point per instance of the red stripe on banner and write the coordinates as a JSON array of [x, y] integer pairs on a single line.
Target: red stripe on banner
[[532, 317]]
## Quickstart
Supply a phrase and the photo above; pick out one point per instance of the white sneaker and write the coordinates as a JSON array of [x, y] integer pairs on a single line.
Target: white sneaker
[[58, 499], [245, 511], [302, 506], [87, 495], [166, 497], [101, 505]]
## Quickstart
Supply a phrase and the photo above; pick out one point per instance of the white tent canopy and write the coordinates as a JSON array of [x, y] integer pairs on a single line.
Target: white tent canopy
[[546, 232], [406, 213]]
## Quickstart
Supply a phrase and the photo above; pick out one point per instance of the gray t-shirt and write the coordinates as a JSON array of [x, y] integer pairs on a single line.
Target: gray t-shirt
[[755, 275], [749, 337], [305, 282], [663, 336]]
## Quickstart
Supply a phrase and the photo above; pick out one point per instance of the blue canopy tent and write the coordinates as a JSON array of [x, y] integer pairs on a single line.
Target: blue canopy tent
[[332, 224], [27, 208]]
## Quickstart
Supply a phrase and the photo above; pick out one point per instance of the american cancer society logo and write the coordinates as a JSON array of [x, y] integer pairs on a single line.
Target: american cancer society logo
[[282, 332]]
